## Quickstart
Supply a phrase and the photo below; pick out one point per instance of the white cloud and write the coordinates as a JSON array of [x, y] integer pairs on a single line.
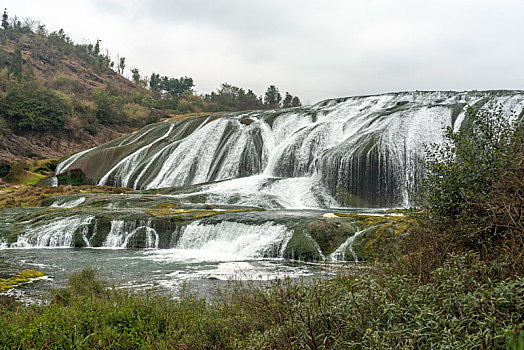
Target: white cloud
[[315, 49]]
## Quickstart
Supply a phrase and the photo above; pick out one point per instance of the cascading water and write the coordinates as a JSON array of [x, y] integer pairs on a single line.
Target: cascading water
[[340, 253], [57, 233], [353, 152], [124, 234], [360, 151], [233, 240], [68, 203], [63, 166]]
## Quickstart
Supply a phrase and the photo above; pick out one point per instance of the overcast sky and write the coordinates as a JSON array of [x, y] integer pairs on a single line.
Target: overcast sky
[[315, 49]]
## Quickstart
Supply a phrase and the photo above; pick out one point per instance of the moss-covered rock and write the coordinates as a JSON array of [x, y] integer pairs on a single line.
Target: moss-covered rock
[[303, 247], [330, 234], [378, 234], [19, 278]]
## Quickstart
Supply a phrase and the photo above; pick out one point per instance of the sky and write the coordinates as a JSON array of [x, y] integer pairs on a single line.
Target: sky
[[316, 49]]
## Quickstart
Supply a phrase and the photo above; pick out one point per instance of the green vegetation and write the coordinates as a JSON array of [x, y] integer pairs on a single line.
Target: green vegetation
[[473, 195], [192, 214], [33, 107], [27, 173], [461, 308]]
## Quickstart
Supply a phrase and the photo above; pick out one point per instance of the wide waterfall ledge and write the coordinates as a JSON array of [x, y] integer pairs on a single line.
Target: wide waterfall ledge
[[352, 152]]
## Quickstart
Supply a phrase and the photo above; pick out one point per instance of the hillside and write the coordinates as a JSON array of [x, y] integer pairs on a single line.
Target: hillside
[[50, 70], [58, 97]]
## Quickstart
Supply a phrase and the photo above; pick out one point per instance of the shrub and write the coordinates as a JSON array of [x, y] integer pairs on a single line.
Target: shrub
[[91, 129], [107, 106], [378, 309], [473, 195], [34, 108]]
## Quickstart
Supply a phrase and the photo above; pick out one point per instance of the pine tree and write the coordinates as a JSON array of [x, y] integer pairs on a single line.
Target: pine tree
[[287, 100], [5, 18], [121, 65], [154, 82], [272, 97], [296, 102], [97, 47]]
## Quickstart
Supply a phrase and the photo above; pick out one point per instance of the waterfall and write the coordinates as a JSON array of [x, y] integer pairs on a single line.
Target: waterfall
[[63, 166], [57, 233], [61, 203], [234, 240], [125, 167], [131, 234], [340, 253], [360, 151]]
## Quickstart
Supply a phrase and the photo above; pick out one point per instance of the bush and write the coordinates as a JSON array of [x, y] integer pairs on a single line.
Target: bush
[[473, 195], [107, 106], [378, 309], [34, 108], [91, 129]]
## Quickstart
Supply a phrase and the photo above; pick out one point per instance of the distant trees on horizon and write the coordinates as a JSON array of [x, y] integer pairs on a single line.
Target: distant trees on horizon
[[160, 94]]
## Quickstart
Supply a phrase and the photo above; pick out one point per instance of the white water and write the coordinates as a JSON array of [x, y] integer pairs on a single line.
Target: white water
[[122, 232], [125, 167], [267, 192], [367, 146], [228, 241], [58, 233], [63, 166], [68, 204], [340, 253]]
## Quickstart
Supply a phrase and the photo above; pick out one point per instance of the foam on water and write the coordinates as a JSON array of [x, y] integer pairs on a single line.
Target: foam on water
[[228, 240]]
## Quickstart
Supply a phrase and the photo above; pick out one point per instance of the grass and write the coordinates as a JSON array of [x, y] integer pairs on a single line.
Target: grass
[[30, 173], [464, 307]]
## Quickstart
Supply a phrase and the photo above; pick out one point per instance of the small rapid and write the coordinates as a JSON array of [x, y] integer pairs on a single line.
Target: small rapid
[[233, 241]]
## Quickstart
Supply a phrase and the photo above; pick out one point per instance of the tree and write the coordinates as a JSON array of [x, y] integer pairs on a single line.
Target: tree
[[154, 82], [135, 74], [5, 20], [96, 50], [296, 102], [121, 65], [287, 100], [34, 108], [175, 87], [471, 189], [272, 97]]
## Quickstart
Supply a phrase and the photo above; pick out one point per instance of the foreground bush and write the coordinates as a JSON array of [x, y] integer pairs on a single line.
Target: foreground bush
[[460, 309], [472, 196]]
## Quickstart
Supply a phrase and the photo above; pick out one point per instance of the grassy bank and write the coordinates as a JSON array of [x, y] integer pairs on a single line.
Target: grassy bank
[[464, 307]]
